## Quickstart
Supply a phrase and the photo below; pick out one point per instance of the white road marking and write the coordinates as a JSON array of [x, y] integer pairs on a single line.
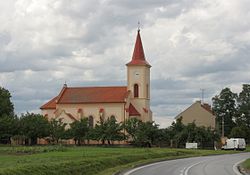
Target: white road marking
[[138, 168], [188, 168], [235, 168]]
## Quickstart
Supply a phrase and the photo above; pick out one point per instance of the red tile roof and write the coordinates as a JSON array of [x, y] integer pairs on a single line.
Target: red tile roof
[[138, 57], [76, 95], [132, 111], [50, 105]]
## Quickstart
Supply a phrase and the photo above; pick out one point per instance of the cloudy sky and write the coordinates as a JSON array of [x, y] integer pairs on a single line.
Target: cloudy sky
[[191, 45]]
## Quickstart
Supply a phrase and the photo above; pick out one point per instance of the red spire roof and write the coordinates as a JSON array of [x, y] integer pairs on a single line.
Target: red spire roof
[[138, 57]]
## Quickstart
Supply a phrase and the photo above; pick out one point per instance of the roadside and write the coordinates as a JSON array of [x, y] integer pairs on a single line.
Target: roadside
[[245, 167]]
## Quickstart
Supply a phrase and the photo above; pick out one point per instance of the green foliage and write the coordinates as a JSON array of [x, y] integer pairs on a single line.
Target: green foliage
[[224, 107], [56, 130], [141, 133], [33, 126], [239, 132], [8, 128], [6, 106], [79, 130], [107, 130]]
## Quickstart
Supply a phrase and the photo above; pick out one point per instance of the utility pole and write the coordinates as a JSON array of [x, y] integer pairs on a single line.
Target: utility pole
[[222, 127]]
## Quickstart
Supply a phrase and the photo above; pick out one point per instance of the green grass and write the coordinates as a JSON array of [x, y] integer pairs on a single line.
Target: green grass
[[54, 160], [246, 165]]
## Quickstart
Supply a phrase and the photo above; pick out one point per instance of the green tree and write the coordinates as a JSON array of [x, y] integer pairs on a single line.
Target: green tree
[[6, 106], [224, 107], [142, 133], [243, 100], [33, 126], [79, 130], [56, 130], [131, 126], [239, 132], [8, 128], [108, 130]]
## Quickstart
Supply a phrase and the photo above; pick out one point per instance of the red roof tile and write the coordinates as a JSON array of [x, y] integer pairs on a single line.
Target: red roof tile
[[74, 95], [132, 111], [138, 57], [50, 105]]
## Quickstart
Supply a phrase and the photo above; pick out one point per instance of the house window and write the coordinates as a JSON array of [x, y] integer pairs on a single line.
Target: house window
[[136, 90], [91, 121]]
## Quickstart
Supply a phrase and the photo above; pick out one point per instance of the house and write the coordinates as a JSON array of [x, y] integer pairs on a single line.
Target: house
[[200, 113], [121, 102]]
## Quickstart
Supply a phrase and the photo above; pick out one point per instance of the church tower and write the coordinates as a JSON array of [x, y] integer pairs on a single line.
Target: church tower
[[138, 78]]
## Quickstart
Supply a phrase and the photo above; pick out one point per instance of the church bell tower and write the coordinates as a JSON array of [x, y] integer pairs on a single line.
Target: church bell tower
[[138, 79]]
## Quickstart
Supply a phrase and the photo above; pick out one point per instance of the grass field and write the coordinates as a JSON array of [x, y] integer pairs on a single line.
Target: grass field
[[84, 160]]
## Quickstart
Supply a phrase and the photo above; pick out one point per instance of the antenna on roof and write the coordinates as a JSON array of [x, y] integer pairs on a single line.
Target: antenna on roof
[[139, 26], [202, 95]]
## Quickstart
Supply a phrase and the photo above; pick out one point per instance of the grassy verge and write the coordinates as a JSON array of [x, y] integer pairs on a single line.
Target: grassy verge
[[246, 165], [84, 160]]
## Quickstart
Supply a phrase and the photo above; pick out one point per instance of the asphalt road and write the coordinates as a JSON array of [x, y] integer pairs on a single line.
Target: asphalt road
[[208, 165]]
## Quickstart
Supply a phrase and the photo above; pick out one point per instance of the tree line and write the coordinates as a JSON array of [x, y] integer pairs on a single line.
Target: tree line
[[233, 111], [230, 108]]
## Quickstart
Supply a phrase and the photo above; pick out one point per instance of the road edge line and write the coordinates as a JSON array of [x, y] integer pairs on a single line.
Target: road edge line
[[235, 167]]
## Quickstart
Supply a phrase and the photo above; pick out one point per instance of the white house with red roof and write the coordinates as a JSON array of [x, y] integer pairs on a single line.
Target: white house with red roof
[[121, 102]]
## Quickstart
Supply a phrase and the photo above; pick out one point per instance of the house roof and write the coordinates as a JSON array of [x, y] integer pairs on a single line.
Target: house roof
[[138, 57], [50, 104], [205, 106], [132, 111], [74, 95]]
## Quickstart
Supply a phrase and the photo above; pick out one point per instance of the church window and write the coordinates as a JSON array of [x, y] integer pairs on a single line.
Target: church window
[[91, 121], [136, 90]]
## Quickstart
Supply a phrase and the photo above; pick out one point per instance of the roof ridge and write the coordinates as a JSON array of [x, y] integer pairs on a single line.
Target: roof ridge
[[97, 87]]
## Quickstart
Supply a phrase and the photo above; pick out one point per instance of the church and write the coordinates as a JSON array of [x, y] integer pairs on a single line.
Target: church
[[121, 102]]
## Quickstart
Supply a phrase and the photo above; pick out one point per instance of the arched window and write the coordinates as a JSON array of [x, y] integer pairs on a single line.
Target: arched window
[[136, 90], [91, 121]]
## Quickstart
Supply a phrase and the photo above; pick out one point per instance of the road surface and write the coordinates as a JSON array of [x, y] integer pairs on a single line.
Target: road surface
[[208, 165]]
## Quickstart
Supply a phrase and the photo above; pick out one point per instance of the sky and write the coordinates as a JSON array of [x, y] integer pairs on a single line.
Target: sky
[[191, 45]]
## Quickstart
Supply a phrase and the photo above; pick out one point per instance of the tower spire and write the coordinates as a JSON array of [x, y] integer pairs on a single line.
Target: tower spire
[[138, 57]]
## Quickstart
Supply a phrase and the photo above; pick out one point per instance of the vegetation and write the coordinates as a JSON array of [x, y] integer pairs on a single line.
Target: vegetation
[[84, 160], [246, 165], [234, 109]]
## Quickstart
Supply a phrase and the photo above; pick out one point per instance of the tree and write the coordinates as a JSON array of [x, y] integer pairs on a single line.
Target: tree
[[8, 128], [224, 107], [56, 130], [239, 132], [107, 130], [33, 126], [142, 133], [6, 106], [79, 130], [131, 126], [243, 100]]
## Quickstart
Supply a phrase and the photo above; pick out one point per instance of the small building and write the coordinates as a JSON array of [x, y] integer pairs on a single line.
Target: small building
[[200, 113]]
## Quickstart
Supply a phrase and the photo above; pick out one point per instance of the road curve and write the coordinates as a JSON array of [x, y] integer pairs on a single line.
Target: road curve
[[207, 165]]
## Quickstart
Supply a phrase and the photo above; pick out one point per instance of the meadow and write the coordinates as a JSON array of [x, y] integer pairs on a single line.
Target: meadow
[[52, 160]]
